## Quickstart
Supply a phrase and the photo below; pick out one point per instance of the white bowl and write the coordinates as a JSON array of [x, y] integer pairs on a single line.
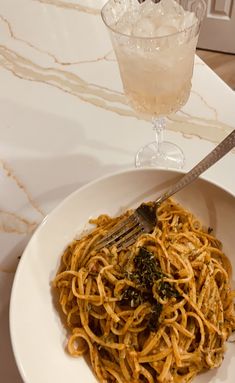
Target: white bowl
[[37, 335]]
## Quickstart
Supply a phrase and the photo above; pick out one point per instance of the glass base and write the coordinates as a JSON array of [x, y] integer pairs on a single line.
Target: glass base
[[165, 155]]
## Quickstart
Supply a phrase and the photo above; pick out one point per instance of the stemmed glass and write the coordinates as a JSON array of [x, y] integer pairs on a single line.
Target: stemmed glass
[[155, 49]]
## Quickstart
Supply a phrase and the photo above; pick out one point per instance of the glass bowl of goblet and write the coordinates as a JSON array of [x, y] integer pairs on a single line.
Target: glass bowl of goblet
[[155, 47]]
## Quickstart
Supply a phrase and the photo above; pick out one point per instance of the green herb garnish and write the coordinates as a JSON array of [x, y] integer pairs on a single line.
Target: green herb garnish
[[147, 269], [146, 273], [134, 297], [166, 290]]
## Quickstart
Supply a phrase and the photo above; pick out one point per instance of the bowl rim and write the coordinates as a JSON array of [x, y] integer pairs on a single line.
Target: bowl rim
[[63, 202]]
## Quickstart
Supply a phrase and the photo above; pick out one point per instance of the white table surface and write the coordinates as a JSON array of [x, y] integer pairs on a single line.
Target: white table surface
[[64, 122]]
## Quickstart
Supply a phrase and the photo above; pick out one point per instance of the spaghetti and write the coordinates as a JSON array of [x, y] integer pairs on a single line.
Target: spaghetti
[[159, 311]]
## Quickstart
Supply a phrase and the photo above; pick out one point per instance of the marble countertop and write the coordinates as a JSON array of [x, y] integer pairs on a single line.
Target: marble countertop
[[65, 121]]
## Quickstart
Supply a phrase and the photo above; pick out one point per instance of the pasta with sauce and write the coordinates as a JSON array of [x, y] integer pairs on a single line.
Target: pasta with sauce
[[159, 311]]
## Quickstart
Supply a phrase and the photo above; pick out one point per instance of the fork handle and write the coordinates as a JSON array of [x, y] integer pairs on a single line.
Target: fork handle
[[220, 150]]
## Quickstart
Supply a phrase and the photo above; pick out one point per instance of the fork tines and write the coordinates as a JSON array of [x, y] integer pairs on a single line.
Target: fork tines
[[123, 233]]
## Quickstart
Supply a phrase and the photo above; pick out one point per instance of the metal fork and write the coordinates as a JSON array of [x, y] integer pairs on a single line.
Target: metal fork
[[144, 218]]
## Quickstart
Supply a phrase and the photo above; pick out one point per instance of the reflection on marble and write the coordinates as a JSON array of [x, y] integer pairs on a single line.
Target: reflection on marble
[[203, 128]]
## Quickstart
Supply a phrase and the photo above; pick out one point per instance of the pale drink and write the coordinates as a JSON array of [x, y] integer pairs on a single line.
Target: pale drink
[[155, 48]]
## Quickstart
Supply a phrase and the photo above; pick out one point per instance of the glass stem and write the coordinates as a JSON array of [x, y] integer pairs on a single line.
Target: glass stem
[[159, 125]]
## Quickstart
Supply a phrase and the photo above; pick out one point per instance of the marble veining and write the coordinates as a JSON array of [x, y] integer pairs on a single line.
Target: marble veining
[[12, 223], [59, 52], [100, 96], [9, 172], [95, 94], [72, 6], [109, 56], [57, 75]]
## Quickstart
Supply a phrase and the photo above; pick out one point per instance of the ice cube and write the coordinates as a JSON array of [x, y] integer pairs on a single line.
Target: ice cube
[[144, 28], [125, 23], [165, 30], [149, 19], [189, 19], [146, 7], [171, 7]]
